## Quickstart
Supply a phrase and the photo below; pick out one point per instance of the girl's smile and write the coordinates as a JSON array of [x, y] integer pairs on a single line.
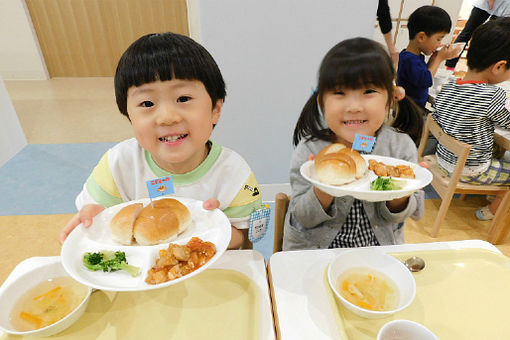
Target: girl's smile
[[355, 111]]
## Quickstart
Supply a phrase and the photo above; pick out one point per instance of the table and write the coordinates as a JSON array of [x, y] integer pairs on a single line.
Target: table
[[252, 264], [300, 303]]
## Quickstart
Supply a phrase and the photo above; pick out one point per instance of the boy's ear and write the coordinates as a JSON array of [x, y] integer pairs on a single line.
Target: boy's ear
[[216, 112], [499, 66], [421, 36]]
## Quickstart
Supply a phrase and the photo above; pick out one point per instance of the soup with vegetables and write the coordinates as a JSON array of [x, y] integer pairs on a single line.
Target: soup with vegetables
[[47, 303], [368, 289]]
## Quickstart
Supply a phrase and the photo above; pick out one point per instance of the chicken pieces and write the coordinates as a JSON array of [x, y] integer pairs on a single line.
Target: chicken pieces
[[177, 260], [381, 169]]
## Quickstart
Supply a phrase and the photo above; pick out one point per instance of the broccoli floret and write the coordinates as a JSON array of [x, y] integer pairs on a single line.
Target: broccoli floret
[[94, 261], [109, 261]]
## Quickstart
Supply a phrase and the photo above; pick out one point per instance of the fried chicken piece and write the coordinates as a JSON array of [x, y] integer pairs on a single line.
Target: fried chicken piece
[[177, 260], [166, 258], [156, 276], [406, 171], [181, 253], [381, 169], [393, 171]]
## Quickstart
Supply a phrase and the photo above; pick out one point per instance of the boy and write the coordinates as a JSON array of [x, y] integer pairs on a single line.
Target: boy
[[468, 109], [427, 27], [172, 91]]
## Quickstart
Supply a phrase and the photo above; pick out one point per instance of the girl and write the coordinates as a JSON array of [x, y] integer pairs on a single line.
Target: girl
[[354, 96]]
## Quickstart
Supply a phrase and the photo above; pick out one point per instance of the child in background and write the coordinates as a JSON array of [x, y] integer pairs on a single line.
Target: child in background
[[427, 27], [355, 92], [172, 91], [468, 109]]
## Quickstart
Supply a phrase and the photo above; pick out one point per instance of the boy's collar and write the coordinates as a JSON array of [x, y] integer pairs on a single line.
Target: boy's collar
[[462, 82]]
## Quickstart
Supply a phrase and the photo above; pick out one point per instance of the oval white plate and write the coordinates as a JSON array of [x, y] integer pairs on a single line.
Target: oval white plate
[[208, 225], [360, 189]]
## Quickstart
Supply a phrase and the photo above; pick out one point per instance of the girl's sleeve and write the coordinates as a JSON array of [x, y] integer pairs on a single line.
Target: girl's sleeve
[[304, 205]]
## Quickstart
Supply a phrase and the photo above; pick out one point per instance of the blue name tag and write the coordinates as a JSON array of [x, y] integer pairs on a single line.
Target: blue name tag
[[160, 186], [363, 143], [259, 221]]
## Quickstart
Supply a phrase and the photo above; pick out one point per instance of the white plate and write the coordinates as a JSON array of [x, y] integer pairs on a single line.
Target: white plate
[[360, 189], [208, 225]]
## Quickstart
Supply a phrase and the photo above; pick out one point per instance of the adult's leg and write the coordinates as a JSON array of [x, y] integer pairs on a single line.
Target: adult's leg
[[476, 18]]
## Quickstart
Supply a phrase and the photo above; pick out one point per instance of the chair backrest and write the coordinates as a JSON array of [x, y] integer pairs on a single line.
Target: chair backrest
[[459, 149], [281, 203]]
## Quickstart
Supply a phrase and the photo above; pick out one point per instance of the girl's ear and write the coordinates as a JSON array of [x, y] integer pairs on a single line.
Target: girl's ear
[[399, 93], [216, 112]]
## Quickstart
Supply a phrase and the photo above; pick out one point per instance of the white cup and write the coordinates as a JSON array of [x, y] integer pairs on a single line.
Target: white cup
[[405, 330]]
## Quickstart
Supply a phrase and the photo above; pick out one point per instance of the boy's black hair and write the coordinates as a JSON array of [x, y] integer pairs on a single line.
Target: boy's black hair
[[490, 43], [166, 56], [428, 19], [353, 64]]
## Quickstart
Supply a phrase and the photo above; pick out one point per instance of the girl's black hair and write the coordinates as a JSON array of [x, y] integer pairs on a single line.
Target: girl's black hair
[[353, 64], [166, 56]]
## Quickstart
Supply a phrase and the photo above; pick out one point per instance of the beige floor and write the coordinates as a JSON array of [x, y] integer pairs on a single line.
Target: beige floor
[[83, 110], [68, 110]]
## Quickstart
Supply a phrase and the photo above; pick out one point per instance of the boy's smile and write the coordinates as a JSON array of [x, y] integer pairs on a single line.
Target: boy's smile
[[173, 120]]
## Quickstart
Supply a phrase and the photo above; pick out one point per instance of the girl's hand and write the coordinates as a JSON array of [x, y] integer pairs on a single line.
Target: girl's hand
[[84, 216]]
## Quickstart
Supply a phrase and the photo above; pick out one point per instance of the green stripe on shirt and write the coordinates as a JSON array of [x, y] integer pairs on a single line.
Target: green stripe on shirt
[[243, 211], [99, 195]]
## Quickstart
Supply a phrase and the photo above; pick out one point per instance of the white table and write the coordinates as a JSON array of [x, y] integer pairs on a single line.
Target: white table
[[300, 302]]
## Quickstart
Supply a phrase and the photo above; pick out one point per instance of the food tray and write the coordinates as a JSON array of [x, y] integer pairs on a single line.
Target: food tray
[[461, 294], [217, 304]]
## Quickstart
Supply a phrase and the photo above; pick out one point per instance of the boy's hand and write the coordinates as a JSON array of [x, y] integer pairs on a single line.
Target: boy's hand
[[448, 52], [238, 236], [84, 216], [211, 204]]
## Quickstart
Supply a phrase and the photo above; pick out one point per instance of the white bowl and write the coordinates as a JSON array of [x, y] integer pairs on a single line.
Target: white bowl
[[12, 290], [378, 261], [405, 329]]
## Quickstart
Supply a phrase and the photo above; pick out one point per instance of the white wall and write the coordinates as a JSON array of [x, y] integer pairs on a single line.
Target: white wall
[[269, 52], [12, 138], [20, 55]]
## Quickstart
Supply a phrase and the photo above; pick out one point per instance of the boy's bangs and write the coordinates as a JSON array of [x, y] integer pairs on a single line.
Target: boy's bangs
[[160, 65], [356, 74]]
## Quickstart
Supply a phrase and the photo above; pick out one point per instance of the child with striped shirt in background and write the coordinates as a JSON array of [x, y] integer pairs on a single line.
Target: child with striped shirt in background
[[470, 108]]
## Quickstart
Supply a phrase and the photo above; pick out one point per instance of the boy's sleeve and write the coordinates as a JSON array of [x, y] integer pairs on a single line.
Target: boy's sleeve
[[417, 74], [247, 200], [100, 187], [499, 112]]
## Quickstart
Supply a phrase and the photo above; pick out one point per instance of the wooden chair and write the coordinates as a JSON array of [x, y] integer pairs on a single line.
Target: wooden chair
[[281, 204], [446, 186]]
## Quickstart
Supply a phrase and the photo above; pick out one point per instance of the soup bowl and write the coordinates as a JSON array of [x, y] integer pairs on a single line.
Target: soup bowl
[[14, 288], [405, 329], [373, 261]]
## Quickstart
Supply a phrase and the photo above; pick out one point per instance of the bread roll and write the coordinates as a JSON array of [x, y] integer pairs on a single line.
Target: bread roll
[[361, 163], [121, 225], [336, 165], [161, 221]]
